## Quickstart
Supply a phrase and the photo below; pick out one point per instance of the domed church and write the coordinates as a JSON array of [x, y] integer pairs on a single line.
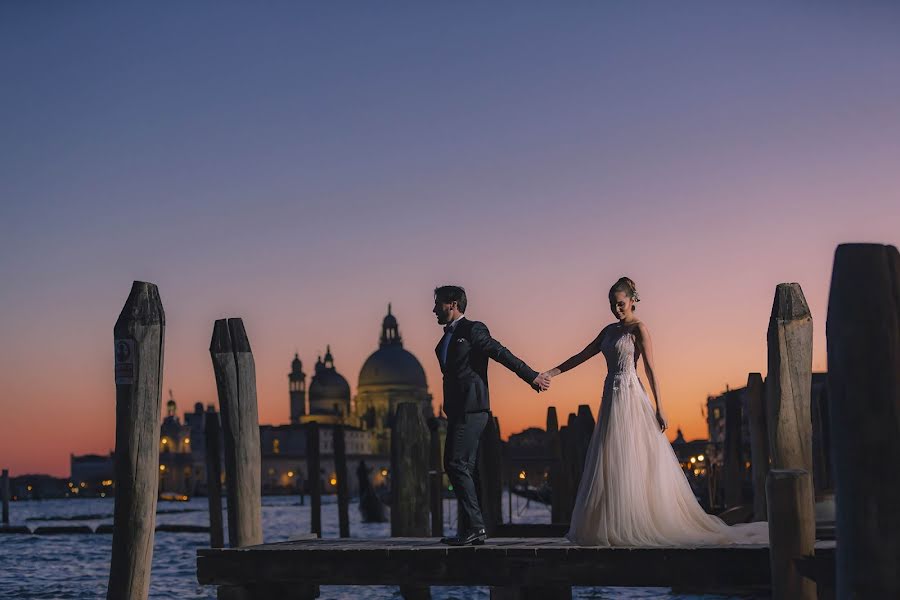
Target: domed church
[[329, 393], [389, 376]]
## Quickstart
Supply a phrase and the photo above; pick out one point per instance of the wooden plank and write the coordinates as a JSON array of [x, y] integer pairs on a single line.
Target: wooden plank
[[501, 562]]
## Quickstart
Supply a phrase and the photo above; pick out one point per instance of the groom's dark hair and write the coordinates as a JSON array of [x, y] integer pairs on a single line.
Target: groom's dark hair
[[451, 293]]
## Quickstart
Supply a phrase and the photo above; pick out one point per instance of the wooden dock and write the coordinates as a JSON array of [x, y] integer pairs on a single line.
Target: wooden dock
[[506, 562]]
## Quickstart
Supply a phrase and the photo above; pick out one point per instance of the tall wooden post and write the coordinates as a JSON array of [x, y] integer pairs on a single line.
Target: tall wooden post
[[490, 473], [863, 331], [313, 478], [435, 478], [759, 443], [570, 489], [789, 380], [410, 442], [4, 493], [558, 480], [139, 336], [214, 480], [734, 461], [792, 532], [340, 467], [235, 373]]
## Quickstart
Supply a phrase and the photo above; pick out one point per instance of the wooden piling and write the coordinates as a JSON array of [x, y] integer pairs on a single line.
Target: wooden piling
[[759, 443], [734, 461], [559, 506], [789, 379], [235, 373], [313, 478], [435, 478], [410, 443], [490, 472], [340, 467], [863, 332], [792, 532], [4, 494], [139, 338], [566, 435], [214, 480]]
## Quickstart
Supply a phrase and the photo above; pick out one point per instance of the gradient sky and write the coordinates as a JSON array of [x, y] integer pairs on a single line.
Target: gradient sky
[[301, 165]]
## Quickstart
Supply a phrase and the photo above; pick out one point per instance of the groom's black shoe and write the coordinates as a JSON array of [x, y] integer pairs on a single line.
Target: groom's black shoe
[[475, 538]]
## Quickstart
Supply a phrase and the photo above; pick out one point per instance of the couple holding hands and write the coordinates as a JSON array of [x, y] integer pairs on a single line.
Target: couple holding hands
[[633, 491]]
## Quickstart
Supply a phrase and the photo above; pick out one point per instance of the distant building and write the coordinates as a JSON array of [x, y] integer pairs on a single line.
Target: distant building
[[527, 459], [91, 469], [738, 400], [389, 376], [38, 487]]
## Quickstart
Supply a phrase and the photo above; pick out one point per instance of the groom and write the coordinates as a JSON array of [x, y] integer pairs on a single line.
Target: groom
[[463, 353]]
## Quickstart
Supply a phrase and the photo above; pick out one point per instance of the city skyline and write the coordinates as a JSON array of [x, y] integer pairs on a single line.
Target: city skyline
[[303, 167]]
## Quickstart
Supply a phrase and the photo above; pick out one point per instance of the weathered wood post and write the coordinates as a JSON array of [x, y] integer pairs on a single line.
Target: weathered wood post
[[435, 478], [792, 532], [863, 331], [490, 472], [4, 493], [314, 481], [340, 467], [823, 471], [759, 443], [584, 424], [139, 336], [733, 459], [558, 481], [214, 480], [570, 489], [410, 442], [235, 373], [789, 379]]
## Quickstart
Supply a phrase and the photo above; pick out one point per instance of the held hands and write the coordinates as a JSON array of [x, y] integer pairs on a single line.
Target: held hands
[[541, 383]]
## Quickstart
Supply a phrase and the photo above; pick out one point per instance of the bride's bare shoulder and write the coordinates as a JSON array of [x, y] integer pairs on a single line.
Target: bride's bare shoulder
[[641, 330]]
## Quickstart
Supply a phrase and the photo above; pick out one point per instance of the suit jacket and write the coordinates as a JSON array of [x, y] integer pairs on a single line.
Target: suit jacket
[[465, 372]]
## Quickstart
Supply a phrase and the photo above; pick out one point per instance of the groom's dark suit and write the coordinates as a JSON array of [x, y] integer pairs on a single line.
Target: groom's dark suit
[[467, 404]]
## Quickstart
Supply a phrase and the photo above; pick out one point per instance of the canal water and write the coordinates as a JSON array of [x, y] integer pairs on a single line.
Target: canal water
[[76, 566]]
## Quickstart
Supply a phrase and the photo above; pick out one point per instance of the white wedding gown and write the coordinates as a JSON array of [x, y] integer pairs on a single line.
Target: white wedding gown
[[633, 491]]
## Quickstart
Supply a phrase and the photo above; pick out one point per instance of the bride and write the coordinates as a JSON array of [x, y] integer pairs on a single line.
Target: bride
[[633, 491]]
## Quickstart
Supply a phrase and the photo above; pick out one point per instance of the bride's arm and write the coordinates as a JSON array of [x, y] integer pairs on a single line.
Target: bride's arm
[[646, 346], [590, 350]]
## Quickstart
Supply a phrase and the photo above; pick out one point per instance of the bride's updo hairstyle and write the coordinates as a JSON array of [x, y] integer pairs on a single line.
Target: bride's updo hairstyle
[[624, 284]]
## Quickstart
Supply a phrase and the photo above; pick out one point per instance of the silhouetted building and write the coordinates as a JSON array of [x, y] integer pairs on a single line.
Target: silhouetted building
[[389, 376], [527, 458]]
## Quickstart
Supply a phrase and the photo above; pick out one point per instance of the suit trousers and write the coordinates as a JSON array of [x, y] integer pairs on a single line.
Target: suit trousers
[[460, 456]]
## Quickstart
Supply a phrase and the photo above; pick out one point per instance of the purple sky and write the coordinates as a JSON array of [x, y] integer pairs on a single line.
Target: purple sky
[[302, 165]]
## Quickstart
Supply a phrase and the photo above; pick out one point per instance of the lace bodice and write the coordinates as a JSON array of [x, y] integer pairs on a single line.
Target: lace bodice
[[619, 349]]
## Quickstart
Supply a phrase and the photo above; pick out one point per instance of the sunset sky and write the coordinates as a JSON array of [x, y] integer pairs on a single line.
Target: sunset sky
[[300, 165]]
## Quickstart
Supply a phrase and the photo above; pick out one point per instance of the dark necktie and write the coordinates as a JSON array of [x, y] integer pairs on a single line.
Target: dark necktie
[[445, 342]]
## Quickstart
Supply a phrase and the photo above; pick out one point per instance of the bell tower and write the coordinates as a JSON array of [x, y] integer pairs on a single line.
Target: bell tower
[[297, 388]]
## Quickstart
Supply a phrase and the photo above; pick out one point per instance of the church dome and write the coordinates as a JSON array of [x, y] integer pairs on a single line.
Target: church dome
[[391, 364], [328, 386]]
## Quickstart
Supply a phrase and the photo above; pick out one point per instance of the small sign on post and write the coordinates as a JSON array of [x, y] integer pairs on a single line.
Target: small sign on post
[[124, 353]]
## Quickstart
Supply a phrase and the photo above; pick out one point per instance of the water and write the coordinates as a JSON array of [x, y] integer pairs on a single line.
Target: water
[[76, 566]]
